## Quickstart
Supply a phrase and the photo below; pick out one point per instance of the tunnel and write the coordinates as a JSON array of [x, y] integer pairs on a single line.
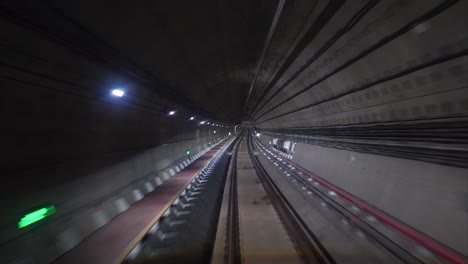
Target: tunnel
[[230, 131]]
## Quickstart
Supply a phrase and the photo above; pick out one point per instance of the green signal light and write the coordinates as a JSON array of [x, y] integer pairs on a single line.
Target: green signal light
[[188, 152], [35, 216]]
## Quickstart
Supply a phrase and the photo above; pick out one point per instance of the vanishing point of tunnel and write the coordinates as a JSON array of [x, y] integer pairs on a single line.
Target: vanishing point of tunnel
[[234, 131]]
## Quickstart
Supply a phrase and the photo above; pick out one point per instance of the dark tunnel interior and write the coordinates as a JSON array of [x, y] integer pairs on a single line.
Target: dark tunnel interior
[[102, 98]]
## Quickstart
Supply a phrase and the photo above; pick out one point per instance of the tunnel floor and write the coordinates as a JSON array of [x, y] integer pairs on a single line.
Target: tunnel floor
[[243, 201]]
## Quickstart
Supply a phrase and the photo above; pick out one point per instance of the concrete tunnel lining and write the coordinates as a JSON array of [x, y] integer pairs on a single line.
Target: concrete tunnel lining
[[382, 81]]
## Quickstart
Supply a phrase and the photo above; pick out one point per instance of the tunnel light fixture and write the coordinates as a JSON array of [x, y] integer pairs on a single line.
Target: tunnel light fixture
[[172, 113], [202, 122], [118, 92], [188, 151], [35, 216], [192, 118], [214, 132], [207, 123]]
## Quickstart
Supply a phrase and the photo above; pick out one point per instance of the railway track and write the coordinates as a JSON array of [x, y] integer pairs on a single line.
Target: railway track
[[236, 211], [307, 248], [233, 249], [310, 248]]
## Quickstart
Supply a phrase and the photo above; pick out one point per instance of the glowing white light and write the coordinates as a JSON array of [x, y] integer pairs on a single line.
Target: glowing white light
[[118, 92], [202, 122], [214, 132], [171, 112], [258, 134], [207, 123], [192, 118]]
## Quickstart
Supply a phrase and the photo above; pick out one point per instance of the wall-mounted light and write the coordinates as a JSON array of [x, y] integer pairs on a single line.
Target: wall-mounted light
[[172, 113], [118, 92], [35, 216], [202, 122], [192, 118]]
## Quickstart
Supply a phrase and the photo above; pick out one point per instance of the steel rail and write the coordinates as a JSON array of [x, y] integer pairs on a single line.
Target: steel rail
[[232, 252], [311, 250]]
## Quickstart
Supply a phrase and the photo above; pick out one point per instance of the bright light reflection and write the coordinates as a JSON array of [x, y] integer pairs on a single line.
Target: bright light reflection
[[118, 92]]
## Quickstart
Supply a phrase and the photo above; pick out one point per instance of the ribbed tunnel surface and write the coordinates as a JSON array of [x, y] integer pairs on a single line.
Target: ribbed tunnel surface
[[107, 103]]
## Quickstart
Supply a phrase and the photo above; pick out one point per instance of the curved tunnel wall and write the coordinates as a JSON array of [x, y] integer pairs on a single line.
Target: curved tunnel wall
[[87, 203], [67, 142], [379, 108], [381, 81], [404, 60]]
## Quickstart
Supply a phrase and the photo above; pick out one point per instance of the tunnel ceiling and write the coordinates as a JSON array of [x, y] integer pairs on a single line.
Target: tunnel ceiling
[[200, 54], [203, 56], [330, 64], [203, 50]]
